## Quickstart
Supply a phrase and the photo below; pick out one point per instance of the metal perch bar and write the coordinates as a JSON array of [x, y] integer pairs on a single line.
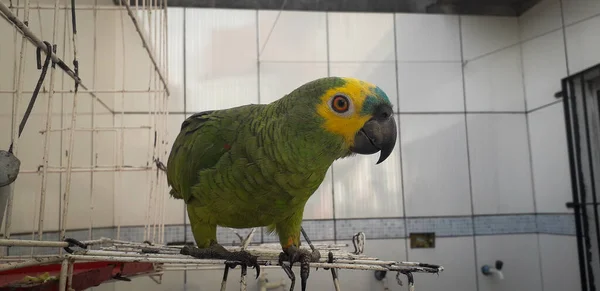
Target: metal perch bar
[[98, 128], [168, 258], [122, 251], [89, 170], [37, 243], [67, 7], [103, 91]]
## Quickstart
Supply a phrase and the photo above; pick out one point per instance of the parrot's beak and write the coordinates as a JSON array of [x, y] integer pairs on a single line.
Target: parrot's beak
[[378, 134]]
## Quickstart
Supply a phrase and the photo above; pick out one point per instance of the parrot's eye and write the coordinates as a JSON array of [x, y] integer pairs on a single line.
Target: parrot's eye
[[340, 104]]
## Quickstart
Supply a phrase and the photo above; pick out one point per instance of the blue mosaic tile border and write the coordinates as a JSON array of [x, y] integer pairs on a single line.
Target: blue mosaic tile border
[[372, 227], [487, 225], [344, 229], [561, 224], [443, 227], [317, 230]]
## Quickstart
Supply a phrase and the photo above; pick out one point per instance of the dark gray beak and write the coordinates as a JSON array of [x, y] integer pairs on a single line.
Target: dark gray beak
[[378, 134]]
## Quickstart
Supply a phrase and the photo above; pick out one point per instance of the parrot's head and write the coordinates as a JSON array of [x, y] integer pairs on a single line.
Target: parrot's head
[[356, 114]]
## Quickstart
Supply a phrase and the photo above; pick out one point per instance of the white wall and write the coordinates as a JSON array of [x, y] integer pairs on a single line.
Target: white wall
[[481, 138], [559, 38]]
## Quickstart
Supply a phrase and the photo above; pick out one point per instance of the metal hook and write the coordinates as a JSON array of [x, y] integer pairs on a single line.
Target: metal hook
[[358, 240], [73, 242]]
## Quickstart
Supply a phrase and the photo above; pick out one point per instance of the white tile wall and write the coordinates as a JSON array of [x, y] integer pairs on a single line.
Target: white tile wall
[[279, 79], [458, 274], [87, 207], [8, 57], [82, 140], [541, 18], [133, 63], [364, 189], [380, 74], [175, 59], [5, 118], [131, 198], [550, 160], [544, 66], [211, 279], [102, 200], [521, 262], [369, 35], [320, 204], [560, 263], [41, 24], [103, 57], [25, 213], [583, 44], [221, 58], [297, 36], [106, 54], [133, 188], [577, 10], [495, 82], [417, 94], [389, 249], [434, 160], [31, 144], [500, 169], [222, 72], [421, 37], [80, 209], [170, 281], [482, 35]]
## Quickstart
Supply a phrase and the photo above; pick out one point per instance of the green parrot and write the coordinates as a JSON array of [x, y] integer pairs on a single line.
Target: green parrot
[[258, 164]]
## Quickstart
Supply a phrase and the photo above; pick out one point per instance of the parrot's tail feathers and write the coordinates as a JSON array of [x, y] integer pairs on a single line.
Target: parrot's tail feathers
[[175, 194], [271, 229]]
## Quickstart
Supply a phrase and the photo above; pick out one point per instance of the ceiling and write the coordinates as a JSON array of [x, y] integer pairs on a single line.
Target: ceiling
[[469, 7]]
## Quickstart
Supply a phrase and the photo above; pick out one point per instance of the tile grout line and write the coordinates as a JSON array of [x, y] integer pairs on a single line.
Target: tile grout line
[[530, 150], [400, 139], [184, 19], [258, 63], [564, 30], [463, 63], [543, 106], [396, 112], [328, 61]]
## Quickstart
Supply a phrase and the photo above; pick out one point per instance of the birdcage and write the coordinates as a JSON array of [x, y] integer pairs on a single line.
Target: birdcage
[[57, 61]]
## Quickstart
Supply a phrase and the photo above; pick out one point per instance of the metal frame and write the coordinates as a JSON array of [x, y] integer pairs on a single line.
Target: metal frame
[[165, 258], [579, 134], [153, 34]]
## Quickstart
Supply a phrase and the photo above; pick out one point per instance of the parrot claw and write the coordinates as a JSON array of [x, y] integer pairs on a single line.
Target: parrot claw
[[216, 251], [304, 257]]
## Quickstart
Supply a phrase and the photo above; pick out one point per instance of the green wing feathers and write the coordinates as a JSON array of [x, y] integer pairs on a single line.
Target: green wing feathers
[[204, 139], [199, 146]]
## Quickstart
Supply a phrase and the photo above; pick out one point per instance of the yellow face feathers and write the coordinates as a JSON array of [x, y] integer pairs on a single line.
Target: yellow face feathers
[[348, 107]]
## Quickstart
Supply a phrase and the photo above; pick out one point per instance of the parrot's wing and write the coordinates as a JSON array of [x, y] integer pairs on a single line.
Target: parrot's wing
[[202, 141]]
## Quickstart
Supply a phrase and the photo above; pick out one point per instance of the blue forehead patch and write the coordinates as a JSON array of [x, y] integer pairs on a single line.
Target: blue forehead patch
[[381, 94], [373, 100]]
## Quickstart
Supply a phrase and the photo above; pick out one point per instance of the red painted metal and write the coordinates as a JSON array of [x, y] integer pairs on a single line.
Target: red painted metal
[[85, 275]]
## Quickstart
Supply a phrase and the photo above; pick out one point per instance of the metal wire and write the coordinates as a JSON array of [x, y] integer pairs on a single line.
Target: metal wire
[[155, 36], [168, 258]]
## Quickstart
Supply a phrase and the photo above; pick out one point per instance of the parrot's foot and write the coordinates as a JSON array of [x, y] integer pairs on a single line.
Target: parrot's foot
[[216, 251], [294, 255]]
